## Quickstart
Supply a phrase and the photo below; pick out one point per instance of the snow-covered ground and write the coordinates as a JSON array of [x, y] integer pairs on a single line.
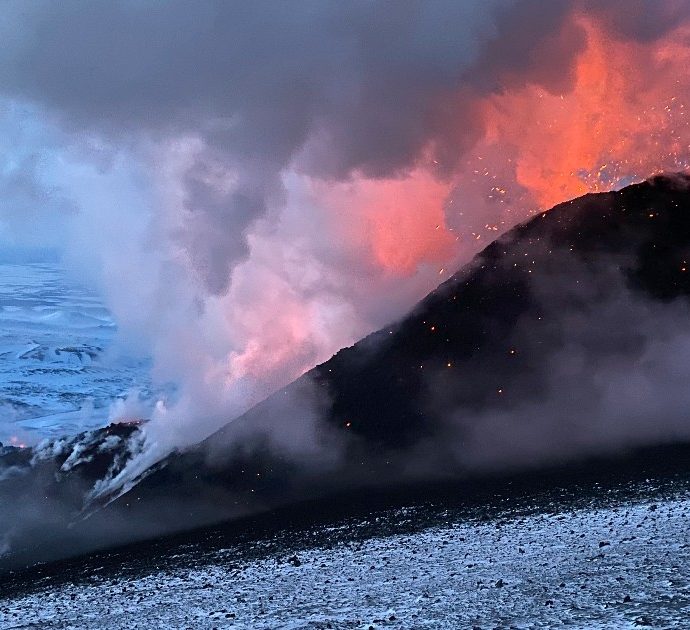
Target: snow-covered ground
[[621, 565], [58, 374]]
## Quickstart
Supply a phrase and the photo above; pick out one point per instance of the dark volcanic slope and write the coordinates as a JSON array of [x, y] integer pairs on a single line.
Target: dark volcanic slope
[[491, 327], [517, 346], [564, 339]]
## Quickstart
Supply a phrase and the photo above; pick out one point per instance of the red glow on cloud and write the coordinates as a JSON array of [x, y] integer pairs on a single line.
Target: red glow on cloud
[[400, 222], [624, 119]]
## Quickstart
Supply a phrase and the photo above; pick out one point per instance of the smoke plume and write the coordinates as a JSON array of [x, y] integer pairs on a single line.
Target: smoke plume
[[254, 186]]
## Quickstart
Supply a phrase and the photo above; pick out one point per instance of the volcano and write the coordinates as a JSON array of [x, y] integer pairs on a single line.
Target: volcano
[[564, 340]]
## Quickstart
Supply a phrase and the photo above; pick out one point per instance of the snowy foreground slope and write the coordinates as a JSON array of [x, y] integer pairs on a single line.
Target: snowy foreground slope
[[596, 559]]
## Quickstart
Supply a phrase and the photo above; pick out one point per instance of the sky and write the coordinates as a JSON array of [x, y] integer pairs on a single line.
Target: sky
[[252, 186]]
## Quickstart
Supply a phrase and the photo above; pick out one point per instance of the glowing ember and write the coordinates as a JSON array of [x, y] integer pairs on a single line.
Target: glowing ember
[[16, 442]]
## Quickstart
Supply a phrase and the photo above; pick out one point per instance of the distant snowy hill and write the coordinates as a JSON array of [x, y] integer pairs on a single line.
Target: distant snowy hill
[[56, 377]]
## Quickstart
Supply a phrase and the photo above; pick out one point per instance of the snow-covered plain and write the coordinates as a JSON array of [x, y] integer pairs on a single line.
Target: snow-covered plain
[[58, 374], [592, 564]]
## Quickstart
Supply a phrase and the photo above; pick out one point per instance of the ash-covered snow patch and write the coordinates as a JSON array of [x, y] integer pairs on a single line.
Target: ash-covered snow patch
[[621, 566]]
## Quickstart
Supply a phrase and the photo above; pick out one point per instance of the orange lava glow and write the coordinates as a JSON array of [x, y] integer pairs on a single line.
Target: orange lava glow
[[401, 222], [624, 119]]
